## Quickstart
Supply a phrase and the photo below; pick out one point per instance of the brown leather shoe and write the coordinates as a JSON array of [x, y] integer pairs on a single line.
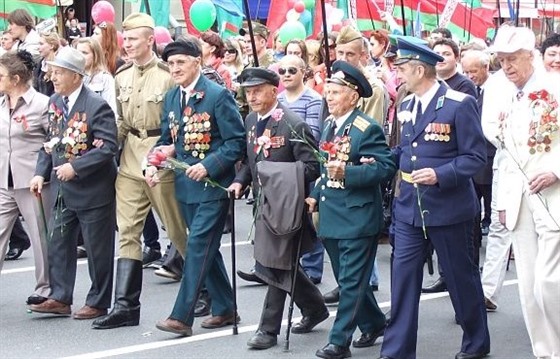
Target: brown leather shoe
[[219, 321], [174, 326], [51, 306], [87, 312]]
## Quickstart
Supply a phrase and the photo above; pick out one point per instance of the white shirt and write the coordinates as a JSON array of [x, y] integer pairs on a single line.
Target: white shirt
[[425, 100], [269, 113], [340, 121], [188, 90], [73, 97]]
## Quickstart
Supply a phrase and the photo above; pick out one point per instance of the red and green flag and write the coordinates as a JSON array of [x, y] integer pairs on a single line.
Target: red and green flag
[[39, 8]]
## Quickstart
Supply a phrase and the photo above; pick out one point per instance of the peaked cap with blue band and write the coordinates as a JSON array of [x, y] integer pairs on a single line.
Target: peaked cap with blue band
[[412, 50], [347, 75]]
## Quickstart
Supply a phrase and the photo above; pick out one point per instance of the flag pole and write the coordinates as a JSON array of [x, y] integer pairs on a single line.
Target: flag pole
[[147, 5], [499, 14], [517, 13], [437, 12], [325, 38], [370, 14], [470, 21], [403, 18], [251, 34]]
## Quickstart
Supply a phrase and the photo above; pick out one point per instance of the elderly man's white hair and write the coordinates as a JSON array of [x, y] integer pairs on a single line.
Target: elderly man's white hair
[[481, 56]]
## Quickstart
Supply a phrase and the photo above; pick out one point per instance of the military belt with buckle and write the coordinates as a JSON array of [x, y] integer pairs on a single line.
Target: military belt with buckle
[[143, 133], [407, 177]]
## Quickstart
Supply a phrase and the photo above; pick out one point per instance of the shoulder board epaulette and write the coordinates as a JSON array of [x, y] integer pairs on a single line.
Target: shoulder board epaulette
[[408, 98], [455, 95], [361, 123], [163, 65], [124, 67]]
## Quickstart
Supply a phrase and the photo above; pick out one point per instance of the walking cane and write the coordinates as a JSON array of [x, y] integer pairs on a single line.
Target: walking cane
[[233, 278], [292, 291], [42, 210]]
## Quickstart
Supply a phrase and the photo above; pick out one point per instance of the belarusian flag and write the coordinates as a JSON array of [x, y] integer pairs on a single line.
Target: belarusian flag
[[39, 8], [229, 17]]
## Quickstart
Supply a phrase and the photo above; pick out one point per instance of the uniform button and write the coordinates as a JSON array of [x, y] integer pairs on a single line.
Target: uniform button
[[138, 106], [323, 187], [414, 144], [139, 90], [322, 175], [415, 185], [323, 198], [413, 158]]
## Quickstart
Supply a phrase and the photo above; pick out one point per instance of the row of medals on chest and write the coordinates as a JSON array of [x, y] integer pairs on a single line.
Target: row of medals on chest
[[197, 134], [342, 154], [438, 132]]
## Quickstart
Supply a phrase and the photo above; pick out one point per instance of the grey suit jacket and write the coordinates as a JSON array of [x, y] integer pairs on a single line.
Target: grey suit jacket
[[96, 168], [21, 137]]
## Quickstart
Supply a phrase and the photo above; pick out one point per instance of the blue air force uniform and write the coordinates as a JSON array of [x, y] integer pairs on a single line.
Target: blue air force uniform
[[444, 135]]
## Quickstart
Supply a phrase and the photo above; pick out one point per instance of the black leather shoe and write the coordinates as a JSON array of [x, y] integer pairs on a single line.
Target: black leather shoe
[[250, 277], [309, 322], [262, 340], [368, 339], [384, 357], [15, 252], [332, 297], [118, 318], [437, 287], [462, 355], [332, 351], [150, 255], [35, 299], [203, 304]]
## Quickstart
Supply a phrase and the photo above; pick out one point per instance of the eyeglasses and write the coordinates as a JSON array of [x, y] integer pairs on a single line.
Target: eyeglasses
[[231, 51], [332, 46], [290, 70]]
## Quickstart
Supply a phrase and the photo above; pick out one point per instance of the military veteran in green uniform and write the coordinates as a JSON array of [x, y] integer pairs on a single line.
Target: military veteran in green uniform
[[348, 197], [202, 127]]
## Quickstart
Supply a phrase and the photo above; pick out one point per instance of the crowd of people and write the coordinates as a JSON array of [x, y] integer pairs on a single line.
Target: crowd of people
[[429, 142]]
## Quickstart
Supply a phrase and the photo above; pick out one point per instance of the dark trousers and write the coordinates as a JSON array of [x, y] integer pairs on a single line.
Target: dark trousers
[[306, 296], [351, 261], [98, 229], [484, 192], [454, 247], [203, 261], [151, 232], [19, 237], [312, 262]]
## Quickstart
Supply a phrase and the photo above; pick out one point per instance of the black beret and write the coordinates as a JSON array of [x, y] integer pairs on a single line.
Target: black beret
[[347, 75], [181, 47], [253, 76]]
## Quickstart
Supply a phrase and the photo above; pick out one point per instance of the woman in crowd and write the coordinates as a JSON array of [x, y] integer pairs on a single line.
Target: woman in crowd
[[23, 129], [106, 34], [298, 48], [320, 70], [98, 79], [550, 50], [48, 46], [22, 28], [213, 50], [233, 60], [379, 41]]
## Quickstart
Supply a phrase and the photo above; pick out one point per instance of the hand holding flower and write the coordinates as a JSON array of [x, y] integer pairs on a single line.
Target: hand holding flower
[[65, 172], [197, 172], [336, 169], [150, 176], [426, 176], [542, 181]]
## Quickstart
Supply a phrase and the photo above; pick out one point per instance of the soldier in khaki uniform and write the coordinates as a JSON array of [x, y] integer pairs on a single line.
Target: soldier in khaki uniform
[[140, 89], [261, 34]]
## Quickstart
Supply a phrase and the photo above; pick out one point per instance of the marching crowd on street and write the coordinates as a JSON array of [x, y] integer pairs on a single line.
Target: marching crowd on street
[[338, 143]]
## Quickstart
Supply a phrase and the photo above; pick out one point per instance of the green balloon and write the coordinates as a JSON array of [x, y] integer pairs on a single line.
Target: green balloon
[[292, 30], [309, 4], [202, 14]]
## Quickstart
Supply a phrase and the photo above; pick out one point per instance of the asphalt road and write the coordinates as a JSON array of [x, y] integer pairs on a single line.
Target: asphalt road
[[30, 335]]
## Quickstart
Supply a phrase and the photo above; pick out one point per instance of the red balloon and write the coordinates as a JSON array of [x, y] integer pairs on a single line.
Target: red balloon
[[120, 39], [299, 7], [162, 35], [291, 3], [103, 11]]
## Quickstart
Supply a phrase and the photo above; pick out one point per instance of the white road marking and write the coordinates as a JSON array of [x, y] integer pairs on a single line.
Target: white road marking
[[221, 333], [84, 261]]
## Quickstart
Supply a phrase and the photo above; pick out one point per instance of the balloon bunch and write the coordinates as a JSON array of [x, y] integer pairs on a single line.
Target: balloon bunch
[[104, 12], [298, 19]]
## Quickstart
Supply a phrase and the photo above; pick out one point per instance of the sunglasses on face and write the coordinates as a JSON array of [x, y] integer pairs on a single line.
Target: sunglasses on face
[[332, 46], [290, 70], [231, 51]]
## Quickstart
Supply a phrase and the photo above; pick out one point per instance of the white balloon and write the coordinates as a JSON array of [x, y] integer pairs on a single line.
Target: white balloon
[[337, 15], [292, 15]]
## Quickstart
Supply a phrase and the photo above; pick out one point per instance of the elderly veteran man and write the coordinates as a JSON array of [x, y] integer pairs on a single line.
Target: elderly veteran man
[[141, 86], [83, 182], [442, 147], [202, 127], [348, 197], [350, 48], [522, 120], [275, 250]]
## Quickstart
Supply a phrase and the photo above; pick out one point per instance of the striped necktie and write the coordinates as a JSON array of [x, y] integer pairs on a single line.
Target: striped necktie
[[65, 108]]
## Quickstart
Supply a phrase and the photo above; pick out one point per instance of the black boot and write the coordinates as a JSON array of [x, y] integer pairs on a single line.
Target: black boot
[[126, 310], [203, 303]]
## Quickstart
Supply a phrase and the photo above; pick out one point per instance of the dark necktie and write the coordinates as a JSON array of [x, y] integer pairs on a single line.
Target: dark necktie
[[519, 95], [331, 133], [418, 112], [183, 100], [261, 125], [478, 91], [65, 108]]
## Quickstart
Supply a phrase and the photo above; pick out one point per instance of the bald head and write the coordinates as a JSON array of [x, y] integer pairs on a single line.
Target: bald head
[[475, 65]]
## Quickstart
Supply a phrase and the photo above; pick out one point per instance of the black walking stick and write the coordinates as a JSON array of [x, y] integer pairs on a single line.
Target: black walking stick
[[233, 278], [293, 287]]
